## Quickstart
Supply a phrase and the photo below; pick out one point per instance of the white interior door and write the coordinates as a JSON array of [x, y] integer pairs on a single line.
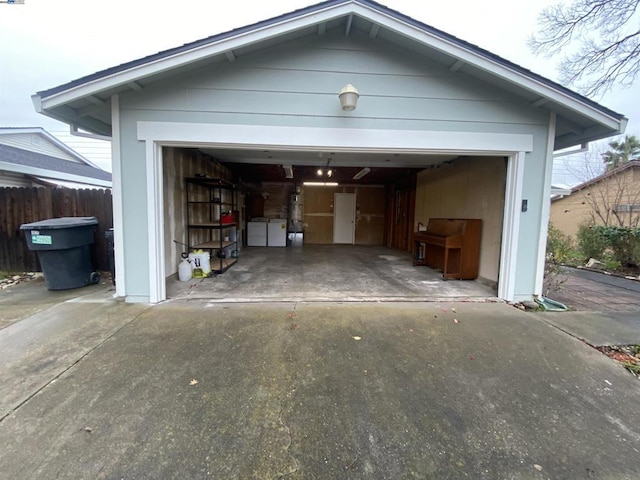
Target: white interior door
[[344, 218]]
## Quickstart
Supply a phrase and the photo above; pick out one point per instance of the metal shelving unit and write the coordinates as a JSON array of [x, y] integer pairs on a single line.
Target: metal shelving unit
[[211, 220]]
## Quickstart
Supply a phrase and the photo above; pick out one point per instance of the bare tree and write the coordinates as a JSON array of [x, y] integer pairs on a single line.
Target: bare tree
[[613, 196], [606, 37]]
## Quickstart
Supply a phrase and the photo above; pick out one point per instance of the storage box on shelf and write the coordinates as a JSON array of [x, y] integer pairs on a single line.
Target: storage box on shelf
[[212, 220]]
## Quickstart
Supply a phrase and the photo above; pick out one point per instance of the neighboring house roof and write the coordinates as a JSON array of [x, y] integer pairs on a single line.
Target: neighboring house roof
[[42, 132], [616, 171], [84, 102], [13, 159]]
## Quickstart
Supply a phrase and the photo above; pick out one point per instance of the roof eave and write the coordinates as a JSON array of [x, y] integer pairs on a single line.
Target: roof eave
[[54, 175], [50, 104]]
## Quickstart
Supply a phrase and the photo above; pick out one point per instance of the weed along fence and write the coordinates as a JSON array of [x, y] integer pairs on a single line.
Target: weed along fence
[[26, 205]]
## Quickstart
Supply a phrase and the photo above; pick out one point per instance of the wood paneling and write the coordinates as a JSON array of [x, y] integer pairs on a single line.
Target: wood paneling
[[26, 205], [180, 163], [370, 214]]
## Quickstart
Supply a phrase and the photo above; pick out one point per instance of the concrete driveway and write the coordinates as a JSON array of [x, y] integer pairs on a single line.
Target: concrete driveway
[[96, 389]]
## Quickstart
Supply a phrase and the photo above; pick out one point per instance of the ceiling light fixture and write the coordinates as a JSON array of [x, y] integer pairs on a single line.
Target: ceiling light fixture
[[288, 171], [348, 97], [320, 172], [320, 184], [361, 173]]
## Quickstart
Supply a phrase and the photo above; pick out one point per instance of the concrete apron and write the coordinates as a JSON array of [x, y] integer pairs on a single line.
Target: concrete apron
[[327, 273], [198, 390]]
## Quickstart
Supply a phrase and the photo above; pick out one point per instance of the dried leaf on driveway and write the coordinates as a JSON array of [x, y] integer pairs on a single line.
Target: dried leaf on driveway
[[193, 382], [357, 338]]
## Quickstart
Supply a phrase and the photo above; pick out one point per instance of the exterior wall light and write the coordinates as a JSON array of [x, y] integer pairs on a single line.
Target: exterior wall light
[[348, 97]]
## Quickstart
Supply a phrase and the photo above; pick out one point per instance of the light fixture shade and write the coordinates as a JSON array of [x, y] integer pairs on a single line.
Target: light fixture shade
[[361, 173], [319, 172], [348, 97]]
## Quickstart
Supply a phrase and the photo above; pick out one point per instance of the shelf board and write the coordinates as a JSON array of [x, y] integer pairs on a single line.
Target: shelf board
[[222, 263], [211, 225], [211, 182], [213, 245]]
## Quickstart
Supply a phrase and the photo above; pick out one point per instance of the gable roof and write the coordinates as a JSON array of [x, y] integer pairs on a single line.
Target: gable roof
[[35, 164], [84, 102], [608, 174], [43, 133]]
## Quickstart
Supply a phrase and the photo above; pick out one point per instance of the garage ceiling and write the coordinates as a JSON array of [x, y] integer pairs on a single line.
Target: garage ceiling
[[255, 166]]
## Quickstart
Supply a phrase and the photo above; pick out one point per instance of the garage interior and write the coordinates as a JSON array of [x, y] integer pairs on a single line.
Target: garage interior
[[395, 194]]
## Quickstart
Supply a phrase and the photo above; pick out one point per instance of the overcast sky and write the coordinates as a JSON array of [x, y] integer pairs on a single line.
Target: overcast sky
[[46, 43]]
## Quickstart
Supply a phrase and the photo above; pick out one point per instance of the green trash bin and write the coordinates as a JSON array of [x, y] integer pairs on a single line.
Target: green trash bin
[[63, 247]]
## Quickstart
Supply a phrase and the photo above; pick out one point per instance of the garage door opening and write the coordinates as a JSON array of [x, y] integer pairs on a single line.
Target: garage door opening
[[389, 203]]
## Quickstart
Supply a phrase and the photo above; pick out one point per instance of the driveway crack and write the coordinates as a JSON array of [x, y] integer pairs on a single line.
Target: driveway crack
[[296, 465]]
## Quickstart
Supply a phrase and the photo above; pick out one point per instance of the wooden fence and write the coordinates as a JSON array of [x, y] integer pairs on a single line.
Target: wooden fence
[[25, 205]]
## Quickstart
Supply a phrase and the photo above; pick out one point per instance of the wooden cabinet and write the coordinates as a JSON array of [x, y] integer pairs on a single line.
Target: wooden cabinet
[[451, 245], [212, 220]]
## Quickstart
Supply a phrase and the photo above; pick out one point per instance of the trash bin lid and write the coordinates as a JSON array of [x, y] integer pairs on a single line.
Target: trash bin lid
[[58, 223]]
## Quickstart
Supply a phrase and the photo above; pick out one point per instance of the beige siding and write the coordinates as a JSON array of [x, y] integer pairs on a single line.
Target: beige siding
[[467, 188], [568, 213]]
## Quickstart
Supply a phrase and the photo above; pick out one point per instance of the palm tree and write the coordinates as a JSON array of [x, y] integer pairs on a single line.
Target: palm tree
[[622, 152]]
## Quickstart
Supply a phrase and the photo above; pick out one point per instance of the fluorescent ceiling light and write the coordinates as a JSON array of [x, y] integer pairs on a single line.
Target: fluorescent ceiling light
[[361, 173], [320, 184], [288, 171]]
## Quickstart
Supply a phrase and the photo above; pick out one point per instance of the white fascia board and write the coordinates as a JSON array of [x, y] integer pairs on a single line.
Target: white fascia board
[[52, 174], [193, 55], [491, 66], [337, 139]]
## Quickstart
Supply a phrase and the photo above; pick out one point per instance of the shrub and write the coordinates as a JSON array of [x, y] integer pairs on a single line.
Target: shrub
[[560, 247], [591, 243], [624, 243]]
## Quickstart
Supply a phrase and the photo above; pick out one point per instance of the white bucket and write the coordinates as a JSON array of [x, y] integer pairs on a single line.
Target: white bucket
[[200, 260]]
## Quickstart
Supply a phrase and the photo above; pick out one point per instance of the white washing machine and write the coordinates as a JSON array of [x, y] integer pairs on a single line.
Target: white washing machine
[[277, 232], [257, 234]]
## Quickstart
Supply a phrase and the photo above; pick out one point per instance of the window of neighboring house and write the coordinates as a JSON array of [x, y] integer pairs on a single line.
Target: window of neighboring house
[[629, 207]]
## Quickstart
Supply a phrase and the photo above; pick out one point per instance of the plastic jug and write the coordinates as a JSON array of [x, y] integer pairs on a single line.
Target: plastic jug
[[185, 270], [201, 261]]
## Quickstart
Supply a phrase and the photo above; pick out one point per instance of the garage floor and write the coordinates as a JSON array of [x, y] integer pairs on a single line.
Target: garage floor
[[327, 273]]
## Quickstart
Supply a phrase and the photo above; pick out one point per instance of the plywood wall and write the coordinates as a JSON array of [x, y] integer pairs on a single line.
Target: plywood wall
[[467, 188], [370, 211], [276, 199], [178, 164]]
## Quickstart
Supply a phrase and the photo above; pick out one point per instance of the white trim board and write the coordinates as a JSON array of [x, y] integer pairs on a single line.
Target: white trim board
[[118, 212], [159, 134], [334, 139], [511, 227], [546, 206]]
